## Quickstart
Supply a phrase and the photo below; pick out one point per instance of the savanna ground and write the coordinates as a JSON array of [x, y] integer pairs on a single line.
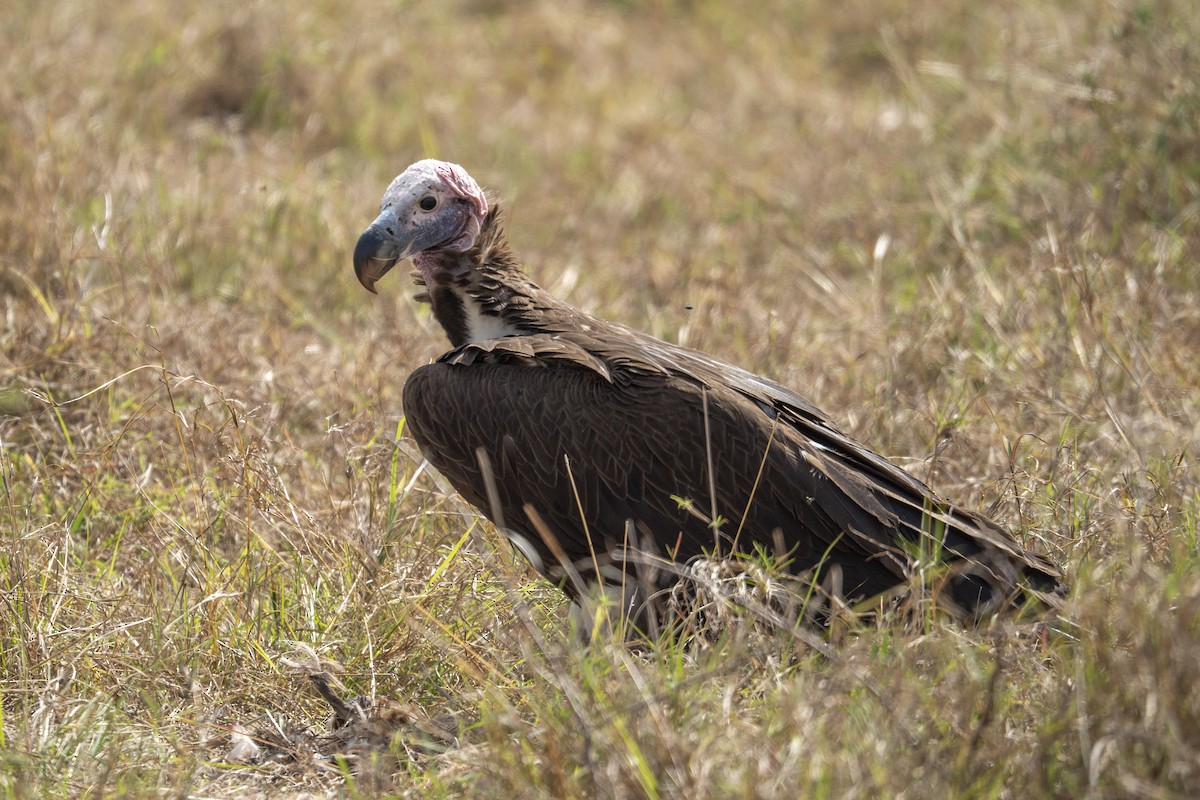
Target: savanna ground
[[969, 231]]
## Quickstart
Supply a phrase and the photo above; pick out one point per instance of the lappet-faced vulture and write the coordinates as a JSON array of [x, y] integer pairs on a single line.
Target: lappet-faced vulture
[[602, 451]]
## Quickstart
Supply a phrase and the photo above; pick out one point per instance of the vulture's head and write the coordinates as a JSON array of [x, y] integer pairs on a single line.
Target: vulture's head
[[432, 205]]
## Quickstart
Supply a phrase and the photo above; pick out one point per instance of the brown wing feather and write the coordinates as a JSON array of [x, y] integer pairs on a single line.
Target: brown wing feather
[[592, 442]]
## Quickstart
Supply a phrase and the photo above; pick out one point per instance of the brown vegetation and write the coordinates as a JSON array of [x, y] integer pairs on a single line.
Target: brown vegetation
[[968, 231]]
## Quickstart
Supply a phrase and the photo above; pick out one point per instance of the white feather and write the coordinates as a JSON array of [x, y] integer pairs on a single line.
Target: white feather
[[527, 549], [480, 326]]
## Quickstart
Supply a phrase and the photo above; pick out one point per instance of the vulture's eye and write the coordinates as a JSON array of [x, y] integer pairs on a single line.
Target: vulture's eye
[[427, 203]]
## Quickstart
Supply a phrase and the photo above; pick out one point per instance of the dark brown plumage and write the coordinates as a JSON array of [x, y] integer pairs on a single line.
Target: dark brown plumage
[[602, 440]]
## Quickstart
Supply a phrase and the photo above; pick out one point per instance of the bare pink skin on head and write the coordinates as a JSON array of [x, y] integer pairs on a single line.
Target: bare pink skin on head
[[433, 206], [441, 176], [430, 173], [456, 178]]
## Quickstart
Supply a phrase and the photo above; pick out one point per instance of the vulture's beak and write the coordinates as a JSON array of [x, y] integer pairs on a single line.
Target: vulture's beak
[[374, 255]]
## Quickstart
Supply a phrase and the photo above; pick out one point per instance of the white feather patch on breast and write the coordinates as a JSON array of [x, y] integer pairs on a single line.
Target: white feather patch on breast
[[481, 327]]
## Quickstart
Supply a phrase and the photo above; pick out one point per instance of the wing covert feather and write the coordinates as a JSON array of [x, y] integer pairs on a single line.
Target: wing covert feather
[[634, 440]]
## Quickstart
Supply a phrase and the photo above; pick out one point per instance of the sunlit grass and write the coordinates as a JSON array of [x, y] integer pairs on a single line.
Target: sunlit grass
[[969, 232]]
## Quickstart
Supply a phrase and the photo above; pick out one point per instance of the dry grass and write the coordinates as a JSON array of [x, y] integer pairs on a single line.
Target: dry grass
[[970, 232]]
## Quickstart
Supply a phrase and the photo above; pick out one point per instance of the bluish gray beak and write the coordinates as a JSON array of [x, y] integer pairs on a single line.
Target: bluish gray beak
[[374, 255]]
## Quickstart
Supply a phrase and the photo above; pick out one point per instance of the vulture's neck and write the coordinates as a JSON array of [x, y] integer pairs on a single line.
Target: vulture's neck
[[483, 293]]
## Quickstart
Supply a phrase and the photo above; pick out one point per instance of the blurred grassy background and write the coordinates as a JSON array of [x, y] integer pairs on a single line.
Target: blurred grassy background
[[968, 231]]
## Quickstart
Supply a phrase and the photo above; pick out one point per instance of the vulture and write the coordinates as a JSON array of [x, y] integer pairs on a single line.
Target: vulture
[[613, 459]]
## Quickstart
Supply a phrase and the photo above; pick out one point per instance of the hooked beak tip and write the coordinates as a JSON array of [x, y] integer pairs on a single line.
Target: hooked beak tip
[[371, 262]]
